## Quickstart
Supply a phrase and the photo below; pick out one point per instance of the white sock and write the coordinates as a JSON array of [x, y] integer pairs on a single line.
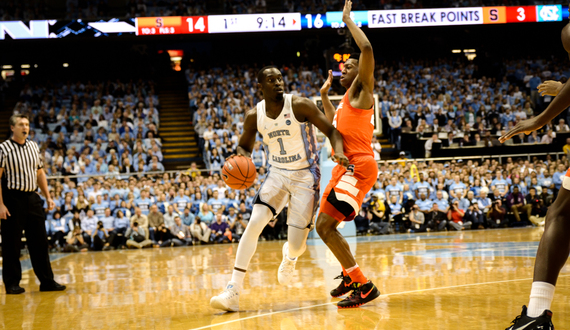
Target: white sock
[[237, 277], [541, 296]]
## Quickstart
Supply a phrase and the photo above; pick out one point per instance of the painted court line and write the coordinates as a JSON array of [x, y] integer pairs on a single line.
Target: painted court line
[[384, 295]]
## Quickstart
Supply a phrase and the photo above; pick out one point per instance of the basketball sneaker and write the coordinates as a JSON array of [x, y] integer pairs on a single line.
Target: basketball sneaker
[[343, 288], [543, 322], [287, 267], [228, 300], [361, 294]]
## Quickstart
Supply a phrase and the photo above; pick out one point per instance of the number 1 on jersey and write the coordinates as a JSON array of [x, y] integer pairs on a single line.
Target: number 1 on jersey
[[282, 152]]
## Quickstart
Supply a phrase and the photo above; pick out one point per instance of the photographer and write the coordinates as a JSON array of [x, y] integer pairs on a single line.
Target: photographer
[[99, 237], [238, 226], [538, 210], [438, 218], [455, 216], [474, 216], [201, 232], [76, 243], [417, 220], [137, 236], [496, 215], [377, 215], [180, 234]]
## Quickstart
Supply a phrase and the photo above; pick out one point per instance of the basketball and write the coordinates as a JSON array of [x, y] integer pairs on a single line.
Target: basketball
[[239, 172]]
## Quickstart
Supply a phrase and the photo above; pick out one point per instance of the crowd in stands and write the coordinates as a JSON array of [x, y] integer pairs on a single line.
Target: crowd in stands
[[463, 108], [458, 195], [192, 207], [103, 128]]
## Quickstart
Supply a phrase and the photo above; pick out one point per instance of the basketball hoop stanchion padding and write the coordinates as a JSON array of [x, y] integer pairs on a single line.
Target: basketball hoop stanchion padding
[[346, 228]]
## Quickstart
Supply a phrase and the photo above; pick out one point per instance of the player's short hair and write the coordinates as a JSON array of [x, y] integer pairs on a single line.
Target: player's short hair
[[354, 56], [261, 73]]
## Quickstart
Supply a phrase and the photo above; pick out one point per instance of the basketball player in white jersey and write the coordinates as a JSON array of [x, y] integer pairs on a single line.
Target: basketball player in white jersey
[[286, 124]]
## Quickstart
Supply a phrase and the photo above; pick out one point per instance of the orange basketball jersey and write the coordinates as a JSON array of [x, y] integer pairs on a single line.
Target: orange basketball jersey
[[356, 127]]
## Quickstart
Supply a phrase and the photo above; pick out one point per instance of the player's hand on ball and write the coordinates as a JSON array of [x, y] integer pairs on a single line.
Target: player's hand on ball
[[341, 159], [328, 83], [550, 87], [525, 126], [346, 11]]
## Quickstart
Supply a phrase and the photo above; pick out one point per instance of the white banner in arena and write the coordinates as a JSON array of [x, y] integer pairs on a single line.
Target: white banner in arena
[[425, 17]]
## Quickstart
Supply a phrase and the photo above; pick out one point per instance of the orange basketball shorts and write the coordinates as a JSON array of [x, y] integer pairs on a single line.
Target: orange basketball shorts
[[345, 193]]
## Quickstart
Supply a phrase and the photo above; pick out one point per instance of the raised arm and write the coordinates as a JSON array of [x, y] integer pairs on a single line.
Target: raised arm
[[305, 110], [366, 61], [247, 139]]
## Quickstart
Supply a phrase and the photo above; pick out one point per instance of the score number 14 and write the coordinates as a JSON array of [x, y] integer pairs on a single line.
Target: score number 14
[[198, 26]]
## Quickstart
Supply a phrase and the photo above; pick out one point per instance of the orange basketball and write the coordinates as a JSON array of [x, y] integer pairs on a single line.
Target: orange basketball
[[239, 172]]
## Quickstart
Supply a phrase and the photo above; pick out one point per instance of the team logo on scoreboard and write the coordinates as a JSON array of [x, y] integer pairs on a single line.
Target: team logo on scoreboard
[[551, 13]]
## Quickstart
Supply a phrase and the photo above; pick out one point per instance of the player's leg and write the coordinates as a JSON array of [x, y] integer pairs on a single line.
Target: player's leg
[[269, 201], [552, 254], [341, 202], [303, 203], [229, 299]]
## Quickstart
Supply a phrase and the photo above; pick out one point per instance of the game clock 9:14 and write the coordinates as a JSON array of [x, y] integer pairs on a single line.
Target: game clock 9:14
[[254, 23]]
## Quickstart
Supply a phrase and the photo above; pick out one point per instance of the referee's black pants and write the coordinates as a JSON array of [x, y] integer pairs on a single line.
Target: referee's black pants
[[26, 213]]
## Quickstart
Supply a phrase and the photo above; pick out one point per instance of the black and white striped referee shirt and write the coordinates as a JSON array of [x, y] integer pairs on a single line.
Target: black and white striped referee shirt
[[21, 163]]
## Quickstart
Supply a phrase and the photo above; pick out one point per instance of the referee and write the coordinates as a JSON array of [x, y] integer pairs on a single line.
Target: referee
[[21, 208]]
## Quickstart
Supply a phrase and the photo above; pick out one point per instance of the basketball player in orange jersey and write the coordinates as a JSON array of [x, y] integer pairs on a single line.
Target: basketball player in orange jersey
[[344, 194], [554, 246]]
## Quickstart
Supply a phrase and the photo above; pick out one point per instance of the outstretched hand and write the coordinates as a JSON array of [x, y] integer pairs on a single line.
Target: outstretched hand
[[525, 126], [328, 83], [346, 11], [550, 87]]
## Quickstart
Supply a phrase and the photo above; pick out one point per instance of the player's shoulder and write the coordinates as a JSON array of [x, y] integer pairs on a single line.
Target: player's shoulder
[[300, 101]]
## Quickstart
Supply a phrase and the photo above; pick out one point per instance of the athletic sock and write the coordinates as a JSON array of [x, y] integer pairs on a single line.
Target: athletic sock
[[344, 272], [541, 296], [237, 277], [356, 275]]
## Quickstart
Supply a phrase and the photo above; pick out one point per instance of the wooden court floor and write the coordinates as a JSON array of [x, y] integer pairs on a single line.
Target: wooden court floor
[[467, 280]]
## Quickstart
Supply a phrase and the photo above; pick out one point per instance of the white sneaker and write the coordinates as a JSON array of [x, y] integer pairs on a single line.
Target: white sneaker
[[228, 300], [287, 267]]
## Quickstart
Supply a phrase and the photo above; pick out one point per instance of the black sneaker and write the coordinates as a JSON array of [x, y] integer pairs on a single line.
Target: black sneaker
[[361, 294], [543, 322], [344, 286]]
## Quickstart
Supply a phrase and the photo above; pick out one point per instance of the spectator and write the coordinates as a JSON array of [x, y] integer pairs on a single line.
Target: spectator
[[169, 217], [187, 217], [205, 214], [76, 243], [517, 204], [429, 144], [155, 219], [220, 230]]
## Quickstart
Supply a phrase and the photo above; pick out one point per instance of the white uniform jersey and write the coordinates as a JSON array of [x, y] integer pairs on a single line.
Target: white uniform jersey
[[291, 145]]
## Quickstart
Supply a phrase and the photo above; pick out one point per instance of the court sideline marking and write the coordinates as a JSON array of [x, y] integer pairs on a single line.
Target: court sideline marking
[[385, 295]]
